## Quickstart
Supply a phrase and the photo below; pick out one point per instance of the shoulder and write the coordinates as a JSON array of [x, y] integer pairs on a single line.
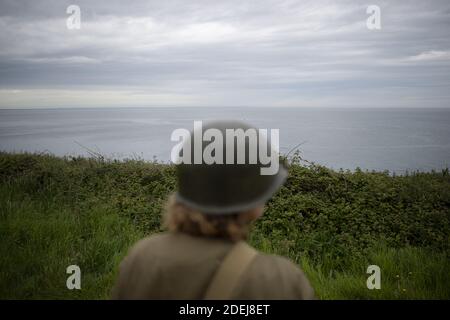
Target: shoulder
[[143, 251], [147, 243], [276, 277], [137, 267], [281, 264], [146, 248]]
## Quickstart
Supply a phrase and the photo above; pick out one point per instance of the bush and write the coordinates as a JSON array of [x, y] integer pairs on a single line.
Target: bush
[[59, 211]]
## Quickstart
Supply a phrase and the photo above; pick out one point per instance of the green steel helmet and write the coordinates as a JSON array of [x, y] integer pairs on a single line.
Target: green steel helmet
[[226, 167]]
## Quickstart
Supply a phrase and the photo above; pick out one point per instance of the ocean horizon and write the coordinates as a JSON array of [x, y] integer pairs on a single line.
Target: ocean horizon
[[393, 139]]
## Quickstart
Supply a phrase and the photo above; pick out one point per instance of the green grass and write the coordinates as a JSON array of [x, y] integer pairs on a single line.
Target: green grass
[[406, 273], [40, 239], [55, 212]]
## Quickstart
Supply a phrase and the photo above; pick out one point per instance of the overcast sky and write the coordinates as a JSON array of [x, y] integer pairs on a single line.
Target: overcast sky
[[224, 53]]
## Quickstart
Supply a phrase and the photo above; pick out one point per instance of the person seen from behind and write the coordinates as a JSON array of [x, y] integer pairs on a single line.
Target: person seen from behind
[[204, 254]]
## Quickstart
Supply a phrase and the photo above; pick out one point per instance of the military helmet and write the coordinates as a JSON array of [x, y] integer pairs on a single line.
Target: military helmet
[[228, 184]]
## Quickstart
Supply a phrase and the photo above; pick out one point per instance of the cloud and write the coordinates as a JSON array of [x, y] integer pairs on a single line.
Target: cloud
[[432, 55], [236, 52], [63, 60]]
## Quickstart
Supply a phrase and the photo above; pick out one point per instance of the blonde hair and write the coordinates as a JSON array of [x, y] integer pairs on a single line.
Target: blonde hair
[[180, 218]]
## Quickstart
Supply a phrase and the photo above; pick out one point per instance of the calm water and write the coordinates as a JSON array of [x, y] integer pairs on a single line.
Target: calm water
[[374, 139]]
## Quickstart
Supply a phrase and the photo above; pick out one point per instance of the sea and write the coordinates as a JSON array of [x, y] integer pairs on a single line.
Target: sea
[[397, 140]]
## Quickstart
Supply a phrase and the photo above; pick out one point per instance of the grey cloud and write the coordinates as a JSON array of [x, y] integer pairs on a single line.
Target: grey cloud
[[221, 53]]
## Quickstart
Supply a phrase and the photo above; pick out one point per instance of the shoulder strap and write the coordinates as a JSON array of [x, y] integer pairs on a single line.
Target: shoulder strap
[[227, 276]]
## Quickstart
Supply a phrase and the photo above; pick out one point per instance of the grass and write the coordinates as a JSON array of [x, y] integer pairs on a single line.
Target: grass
[[406, 273], [39, 240], [55, 212]]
